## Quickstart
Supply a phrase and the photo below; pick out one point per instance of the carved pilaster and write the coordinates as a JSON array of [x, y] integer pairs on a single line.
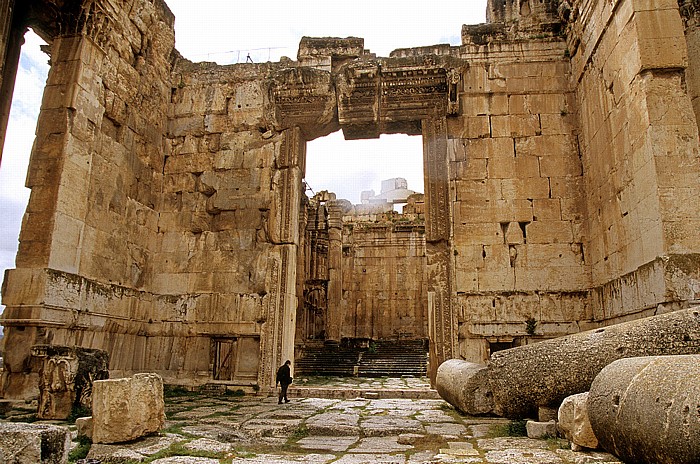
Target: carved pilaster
[[277, 343], [442, 330], [335, 258], [287, 189], [436, 179], [690, 12]]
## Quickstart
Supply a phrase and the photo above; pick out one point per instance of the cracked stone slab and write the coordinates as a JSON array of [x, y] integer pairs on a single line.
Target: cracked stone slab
[[379, 445], [587, 457], [186, 460], [460, 448], [434, 416], [325, 443], [371, 459], [504, 443], [270, 427], [286, 459], [520, 456], [446, 429], [206, 444], [334, 424], [390, 425], [199, 413], [136, 450]]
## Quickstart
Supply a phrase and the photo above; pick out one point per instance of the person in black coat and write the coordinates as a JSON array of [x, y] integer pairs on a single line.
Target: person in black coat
[[284, 379]]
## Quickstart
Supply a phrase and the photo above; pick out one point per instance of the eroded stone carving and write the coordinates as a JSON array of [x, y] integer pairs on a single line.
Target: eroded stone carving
[[67, 375]]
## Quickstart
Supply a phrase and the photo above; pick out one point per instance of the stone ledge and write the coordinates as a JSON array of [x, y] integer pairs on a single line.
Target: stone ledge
[[347, 393]]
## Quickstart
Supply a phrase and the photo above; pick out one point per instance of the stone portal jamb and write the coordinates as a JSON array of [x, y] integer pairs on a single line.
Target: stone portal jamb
[[437, 231]]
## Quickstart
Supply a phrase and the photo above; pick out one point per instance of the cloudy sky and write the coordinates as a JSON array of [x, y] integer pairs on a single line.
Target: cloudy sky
[[227, 32]]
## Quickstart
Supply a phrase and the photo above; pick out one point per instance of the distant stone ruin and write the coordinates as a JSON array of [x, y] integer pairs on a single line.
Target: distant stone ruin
[[167, 220]]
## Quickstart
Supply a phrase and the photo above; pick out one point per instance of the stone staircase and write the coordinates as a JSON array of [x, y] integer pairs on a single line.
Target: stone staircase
[[328, 360], [391, 358], [383, 358]]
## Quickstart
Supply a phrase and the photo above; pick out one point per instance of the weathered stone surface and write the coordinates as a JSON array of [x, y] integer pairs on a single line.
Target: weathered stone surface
[[33, 443], [574, 422], [465, 386], [84, 426], [125, 409], [520, 380], [645, 410], [541, 430], [67, 374]]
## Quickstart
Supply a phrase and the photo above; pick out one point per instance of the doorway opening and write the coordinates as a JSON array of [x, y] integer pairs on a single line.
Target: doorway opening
[[350, 167], [362, 281]]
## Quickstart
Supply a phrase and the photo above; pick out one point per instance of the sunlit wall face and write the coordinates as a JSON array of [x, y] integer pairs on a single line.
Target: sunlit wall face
[[349, 167]]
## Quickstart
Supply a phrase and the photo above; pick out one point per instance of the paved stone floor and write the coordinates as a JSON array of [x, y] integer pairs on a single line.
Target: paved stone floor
[[250, 430]]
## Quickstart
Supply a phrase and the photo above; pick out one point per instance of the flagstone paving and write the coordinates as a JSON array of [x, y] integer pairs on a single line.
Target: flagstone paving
[[250, 430]]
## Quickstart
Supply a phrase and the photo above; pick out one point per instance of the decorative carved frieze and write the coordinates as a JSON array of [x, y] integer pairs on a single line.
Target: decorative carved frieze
[[690, 12], [303, 97], [383, 97], [436, 179]]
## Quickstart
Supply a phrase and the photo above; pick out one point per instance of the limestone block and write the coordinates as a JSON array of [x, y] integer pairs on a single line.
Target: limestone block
[[84, 427], [546, 145], [645, 410], [126, 409], [541, 430], [463, 385], [546, 209], [521, 189], [549, 232], [523, 378], [574, 422], [515, 125], [560, 166], [469, 127], [33, 443]]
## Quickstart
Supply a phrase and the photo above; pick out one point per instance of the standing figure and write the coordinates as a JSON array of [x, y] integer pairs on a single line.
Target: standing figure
[[284, 379]]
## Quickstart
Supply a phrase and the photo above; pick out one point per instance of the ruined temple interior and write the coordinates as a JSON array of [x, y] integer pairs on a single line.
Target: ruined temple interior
[[168, 223]]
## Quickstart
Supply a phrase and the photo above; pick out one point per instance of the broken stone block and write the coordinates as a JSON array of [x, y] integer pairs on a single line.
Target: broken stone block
[[540, 430], [574, 422], [66, 377], [465, 386], [33, 443], [645, 410], [126, 409], [84, 426], [517, 381]]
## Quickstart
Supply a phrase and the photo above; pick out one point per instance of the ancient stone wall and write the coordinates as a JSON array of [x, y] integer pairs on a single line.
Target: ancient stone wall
[[384, 287], [90, 230], [561, 166], [516, 184], [690, 12], [377, 268], [639, 148]]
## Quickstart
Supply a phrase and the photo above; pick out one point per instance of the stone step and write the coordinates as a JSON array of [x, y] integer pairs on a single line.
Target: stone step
[[349, 393]]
